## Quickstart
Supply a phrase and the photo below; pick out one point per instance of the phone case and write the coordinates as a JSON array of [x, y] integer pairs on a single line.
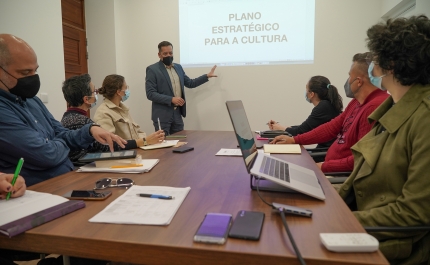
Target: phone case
[[247, 225], [183, 149], [106, 194]]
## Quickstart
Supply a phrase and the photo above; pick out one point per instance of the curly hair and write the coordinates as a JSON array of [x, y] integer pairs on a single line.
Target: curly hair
[[75, 88], [321, 86], [403, 46], [111, 84]]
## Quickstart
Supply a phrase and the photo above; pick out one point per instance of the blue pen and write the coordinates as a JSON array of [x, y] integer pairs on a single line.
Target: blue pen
[[155, 196]]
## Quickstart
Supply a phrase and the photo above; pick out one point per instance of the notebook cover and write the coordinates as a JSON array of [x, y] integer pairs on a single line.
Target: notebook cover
[[26, 223]]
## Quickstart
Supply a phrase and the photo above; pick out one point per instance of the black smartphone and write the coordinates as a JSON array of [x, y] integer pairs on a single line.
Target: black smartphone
[[214, 228], [247, 225], [183, 149], [87, 195]]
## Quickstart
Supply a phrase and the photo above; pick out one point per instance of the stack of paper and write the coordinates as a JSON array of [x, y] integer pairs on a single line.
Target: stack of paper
[[130, 208], [282, 148], [229, 152], [168, 143], [147, 165]]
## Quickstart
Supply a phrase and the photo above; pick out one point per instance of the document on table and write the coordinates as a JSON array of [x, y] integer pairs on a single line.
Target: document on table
[[229, 152], [164, 144], [130, 208]]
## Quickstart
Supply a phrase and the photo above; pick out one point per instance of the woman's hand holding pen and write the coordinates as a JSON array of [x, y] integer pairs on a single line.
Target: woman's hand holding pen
[[5, 186], [155, 138], [283, 139], [275, 126]]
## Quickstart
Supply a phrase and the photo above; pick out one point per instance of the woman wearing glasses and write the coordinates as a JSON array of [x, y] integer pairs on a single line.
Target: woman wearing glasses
[[81, 95], [327, 105], [114, 116], [390, 184]]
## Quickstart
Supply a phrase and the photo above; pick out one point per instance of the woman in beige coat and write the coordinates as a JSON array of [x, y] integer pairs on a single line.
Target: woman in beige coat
[[114, 116], [390, 184]]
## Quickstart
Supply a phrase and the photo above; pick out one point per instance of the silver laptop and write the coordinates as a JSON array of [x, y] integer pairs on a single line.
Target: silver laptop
[[271, 168]]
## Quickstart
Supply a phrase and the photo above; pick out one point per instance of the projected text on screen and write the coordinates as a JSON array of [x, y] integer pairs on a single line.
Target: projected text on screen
[[246, 32]]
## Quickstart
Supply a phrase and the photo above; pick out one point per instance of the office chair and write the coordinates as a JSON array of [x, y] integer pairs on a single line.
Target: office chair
[[318, 154]]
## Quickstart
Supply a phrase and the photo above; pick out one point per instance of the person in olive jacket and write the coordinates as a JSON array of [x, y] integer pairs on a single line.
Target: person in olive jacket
[[390, 184]]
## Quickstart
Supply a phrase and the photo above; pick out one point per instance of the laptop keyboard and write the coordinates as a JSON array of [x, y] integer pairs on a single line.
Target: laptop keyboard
[[275, 168]]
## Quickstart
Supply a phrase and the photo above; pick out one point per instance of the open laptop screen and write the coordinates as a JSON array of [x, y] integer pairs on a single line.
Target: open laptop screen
[[243, 131]]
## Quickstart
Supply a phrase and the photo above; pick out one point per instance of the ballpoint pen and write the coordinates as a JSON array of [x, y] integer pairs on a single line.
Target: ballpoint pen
[[159, 126], [15, 176], [155, 196], [272, 123]]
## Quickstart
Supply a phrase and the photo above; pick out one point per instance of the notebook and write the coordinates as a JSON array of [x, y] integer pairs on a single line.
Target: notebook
[[164, 144], [282, 148], [262, 165]]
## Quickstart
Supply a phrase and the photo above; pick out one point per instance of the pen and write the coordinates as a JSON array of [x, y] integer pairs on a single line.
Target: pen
[[155, 196], [159, 126], [15, 176], [127, 165], [272, 123]]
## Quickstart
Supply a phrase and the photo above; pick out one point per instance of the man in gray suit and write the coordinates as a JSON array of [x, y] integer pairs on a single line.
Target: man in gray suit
[[165, 88]]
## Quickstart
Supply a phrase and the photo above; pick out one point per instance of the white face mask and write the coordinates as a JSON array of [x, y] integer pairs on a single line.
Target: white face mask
[[375, 80], [94, 103]]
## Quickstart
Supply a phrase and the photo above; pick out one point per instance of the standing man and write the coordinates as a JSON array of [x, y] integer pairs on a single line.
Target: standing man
[[165, 88]]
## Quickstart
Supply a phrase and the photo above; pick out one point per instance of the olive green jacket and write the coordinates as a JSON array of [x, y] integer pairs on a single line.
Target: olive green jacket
[[391, 178]]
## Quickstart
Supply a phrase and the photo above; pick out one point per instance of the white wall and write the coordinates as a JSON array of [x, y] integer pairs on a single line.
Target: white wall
[[269, 92], [39, 24]]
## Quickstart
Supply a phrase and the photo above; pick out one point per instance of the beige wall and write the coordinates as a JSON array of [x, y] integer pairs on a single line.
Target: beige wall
[[39, 24], [269, 92]]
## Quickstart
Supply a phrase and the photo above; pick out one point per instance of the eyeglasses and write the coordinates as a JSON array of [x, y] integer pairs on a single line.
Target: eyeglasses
[[110, 183]]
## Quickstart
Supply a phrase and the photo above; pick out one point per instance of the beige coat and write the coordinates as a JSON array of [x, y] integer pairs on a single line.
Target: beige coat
[[391, 177], [117, 119]]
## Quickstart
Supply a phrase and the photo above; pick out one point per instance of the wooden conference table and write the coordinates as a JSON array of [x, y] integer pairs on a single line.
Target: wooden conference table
[[218, 184]]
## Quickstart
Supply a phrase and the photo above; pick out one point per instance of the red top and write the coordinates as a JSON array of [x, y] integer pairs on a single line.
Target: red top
[[349, 127]]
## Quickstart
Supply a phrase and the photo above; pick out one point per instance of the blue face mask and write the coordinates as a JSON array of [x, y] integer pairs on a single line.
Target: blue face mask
[[376, 81], [306, 97], [126, 96]]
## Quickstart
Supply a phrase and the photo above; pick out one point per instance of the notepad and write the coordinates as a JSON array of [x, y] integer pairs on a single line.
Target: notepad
[[132, 209], [168, 143], [282, 148], [33, 209]]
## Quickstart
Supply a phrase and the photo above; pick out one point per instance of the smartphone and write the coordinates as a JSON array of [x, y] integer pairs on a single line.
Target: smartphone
[[183, 149], [247, 225], [87, 195], [214, 228]]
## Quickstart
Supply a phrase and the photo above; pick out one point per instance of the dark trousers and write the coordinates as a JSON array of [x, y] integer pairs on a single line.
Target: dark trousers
[[173, 125]]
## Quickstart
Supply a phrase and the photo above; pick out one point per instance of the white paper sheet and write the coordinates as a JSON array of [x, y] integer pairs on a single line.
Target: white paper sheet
[[31, 202], [129, 208], [229, 152]]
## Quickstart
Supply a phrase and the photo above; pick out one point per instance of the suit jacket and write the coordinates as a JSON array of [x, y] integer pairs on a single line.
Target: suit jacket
[[390, 182], [160, 91]]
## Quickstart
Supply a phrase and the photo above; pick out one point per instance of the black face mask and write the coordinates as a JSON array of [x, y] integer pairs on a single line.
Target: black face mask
[[26, 87], [168, 60], [347, 87]]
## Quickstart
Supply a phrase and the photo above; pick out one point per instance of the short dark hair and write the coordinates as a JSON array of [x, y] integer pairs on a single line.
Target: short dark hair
[[403, 46], [363, 61], [4, 54], [75, 88], [321, 86], [111, 84], [164, 44]]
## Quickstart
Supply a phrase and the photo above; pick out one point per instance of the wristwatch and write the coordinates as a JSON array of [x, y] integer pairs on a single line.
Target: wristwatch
[[93, 124], [145, 143]]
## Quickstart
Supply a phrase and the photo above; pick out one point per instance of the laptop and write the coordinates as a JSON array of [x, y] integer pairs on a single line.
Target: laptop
[[262, 165]]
